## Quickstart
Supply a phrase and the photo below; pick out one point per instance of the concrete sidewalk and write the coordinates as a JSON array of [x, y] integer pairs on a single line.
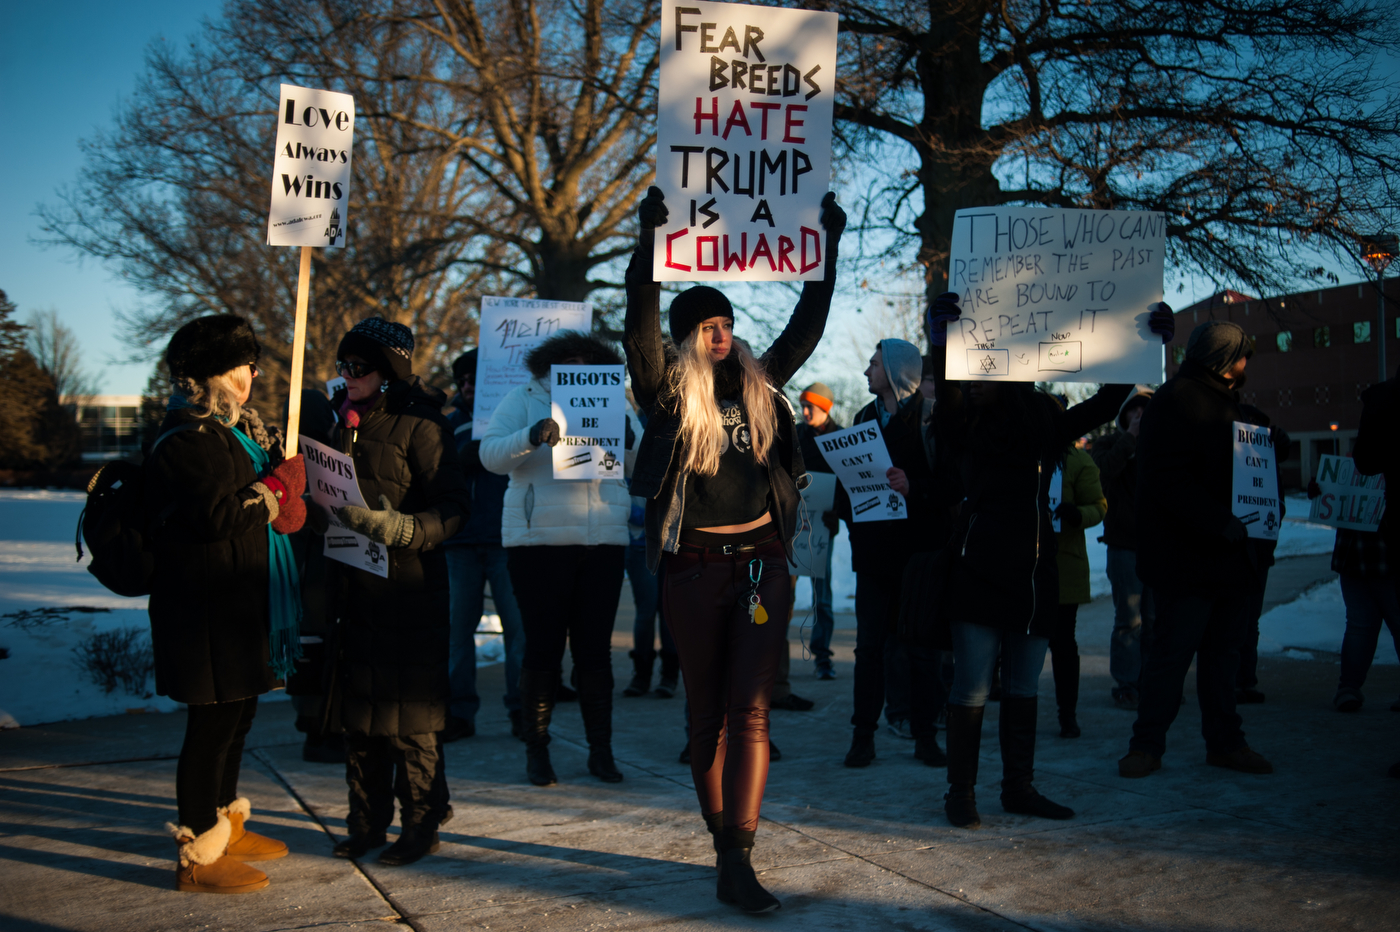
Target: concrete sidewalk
[[1192, 847]]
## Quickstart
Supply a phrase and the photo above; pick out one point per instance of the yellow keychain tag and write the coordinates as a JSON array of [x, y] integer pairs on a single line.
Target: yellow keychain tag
[[758, 613]]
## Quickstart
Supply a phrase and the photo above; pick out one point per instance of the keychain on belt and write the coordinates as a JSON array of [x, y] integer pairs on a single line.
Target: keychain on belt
[[757, 613]]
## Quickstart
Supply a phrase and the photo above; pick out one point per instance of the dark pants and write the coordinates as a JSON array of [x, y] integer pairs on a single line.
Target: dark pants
[[1248, 675], [567, 593], [729, 664], [1064, 655], [883, 677], [206, 779], [1210, 628], [646, 595], [1369, 602], [378, 769]]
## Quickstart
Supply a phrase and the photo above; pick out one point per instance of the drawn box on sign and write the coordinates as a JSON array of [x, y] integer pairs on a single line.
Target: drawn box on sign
[[988, 362], [866, 505], [1062, 357]]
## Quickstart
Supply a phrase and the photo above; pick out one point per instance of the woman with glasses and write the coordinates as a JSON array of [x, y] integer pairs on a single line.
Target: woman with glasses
[[391, 643], [225, 599]]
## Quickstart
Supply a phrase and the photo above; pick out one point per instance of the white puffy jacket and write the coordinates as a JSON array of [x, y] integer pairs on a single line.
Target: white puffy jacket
[[539, 509]]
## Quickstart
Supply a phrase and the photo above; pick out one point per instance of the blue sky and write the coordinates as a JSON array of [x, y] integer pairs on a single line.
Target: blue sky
[[60, 79]]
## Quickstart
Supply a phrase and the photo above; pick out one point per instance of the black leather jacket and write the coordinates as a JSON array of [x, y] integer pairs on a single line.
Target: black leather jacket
[[657, 474]]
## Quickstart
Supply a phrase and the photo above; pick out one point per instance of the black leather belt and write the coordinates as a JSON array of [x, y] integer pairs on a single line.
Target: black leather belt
[[728, 549]]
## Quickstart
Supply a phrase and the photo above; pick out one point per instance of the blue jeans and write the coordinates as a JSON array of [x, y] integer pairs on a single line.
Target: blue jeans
[[1132, 611], [469, 569], [1369, 602], [646, 595], [975, 650], [823, 619]]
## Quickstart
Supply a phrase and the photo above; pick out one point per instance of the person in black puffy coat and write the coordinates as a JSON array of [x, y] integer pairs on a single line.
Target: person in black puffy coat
[[391, 650]]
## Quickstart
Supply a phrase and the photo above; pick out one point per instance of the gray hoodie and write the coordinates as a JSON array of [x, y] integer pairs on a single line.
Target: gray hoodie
[[904, 367]]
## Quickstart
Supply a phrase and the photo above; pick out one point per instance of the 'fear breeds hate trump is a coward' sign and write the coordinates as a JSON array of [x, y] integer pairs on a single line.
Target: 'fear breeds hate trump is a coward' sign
[[744, 141], [311, 168]]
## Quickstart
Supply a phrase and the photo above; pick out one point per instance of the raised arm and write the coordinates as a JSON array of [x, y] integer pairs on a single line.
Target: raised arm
[[804, 329], [641, 335]]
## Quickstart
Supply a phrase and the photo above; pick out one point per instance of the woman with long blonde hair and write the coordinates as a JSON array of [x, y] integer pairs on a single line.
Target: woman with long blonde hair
[[720, 468]]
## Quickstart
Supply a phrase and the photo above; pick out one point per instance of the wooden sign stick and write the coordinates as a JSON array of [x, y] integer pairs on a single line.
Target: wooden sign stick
[[298, 351]]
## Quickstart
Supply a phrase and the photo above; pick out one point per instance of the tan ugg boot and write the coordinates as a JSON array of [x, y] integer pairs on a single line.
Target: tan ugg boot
[[244, 845], [204, 868]]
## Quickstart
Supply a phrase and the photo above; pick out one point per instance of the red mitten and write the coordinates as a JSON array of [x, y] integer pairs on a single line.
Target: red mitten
[[291, 514], [291, 473]]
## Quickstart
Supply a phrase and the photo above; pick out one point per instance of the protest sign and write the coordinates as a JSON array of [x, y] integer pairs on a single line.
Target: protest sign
[[330, 477], [1349, 499], [1057, 487], [813, 540], [334, 385], [1055, 295], [743, 148], [589, 403], [311, 168], [860, 460], [1254, 497], [510, 328]]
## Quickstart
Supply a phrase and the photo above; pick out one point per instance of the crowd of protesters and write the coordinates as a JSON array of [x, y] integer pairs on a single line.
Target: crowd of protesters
[[956, 605]]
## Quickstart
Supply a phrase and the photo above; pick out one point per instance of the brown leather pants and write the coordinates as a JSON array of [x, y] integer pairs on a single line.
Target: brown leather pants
[[729, 664]]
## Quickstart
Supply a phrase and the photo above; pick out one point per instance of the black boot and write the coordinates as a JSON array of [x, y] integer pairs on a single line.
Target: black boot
[[415, 841], [964, 744], [357, 846], [670, 674], [641, 673], [737, 883], [1017, 726], [595, 703], [536, 707], [714, 824], [1066, 670]]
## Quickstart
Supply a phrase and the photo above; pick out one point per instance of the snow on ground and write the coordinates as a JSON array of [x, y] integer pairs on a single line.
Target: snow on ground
[[1315, 621]]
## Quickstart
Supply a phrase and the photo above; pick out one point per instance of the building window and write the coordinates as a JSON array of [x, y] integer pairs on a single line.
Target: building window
[[1178, 354], [1285, 340], [1321, 395], [1361, 331], [1285, 397], [1322, 337]]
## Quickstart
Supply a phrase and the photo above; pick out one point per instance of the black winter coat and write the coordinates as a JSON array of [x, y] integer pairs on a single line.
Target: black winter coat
[[1116, 457], [393, 633], [1377, 450], [884, 546], [1185, 455], [1005, 572], [657, 474], [209, 600], [807, 442]]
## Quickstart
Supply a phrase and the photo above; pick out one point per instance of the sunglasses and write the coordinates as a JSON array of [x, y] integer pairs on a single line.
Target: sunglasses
[[353, 370], [253, 367]]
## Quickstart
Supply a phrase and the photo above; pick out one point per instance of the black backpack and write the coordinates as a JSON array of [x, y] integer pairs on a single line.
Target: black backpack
[[114, 521]]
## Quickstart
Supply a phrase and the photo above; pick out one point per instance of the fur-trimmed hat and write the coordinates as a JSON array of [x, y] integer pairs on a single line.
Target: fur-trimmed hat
[[694, 305], [383, 344], [210, 346], [571, 344]]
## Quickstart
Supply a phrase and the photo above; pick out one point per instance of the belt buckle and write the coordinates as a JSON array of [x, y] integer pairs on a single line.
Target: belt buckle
[[728, 550]]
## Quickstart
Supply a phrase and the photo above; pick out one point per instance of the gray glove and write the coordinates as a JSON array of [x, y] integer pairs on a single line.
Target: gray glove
[[388, 527]]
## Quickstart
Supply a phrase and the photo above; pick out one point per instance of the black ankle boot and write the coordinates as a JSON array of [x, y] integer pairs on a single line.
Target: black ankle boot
[[595, 703], [964, 744], [357, 846], [414, 843], [536, 707], [641, 673], [738, 885], [1018, 795], [670, 674]]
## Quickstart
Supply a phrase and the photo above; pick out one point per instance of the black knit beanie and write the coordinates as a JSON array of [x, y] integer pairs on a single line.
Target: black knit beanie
[[1217, 345], [694, 305], [463, 365], [383, 344], [210, 346]]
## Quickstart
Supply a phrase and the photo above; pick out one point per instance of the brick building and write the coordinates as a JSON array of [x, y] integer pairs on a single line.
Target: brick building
[[1314, 354]]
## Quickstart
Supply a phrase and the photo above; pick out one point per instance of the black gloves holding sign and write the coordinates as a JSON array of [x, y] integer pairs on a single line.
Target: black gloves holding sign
[[652, 212], [546, 431]]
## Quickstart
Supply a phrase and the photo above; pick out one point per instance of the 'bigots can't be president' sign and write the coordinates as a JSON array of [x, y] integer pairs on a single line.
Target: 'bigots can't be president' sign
[[743, 141], [1055, 295], [589, 403], [311, 170]]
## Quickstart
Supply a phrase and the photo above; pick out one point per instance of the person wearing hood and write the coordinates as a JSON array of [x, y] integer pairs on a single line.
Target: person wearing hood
[[997, 446], [1116, 457], [391, 643], [902, 680], [1194, 553], [720, 469], [475, 557], [566, 543]]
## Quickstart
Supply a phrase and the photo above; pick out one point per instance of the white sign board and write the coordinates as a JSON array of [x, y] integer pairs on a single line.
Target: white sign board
[[1349, 499], [330, 477], [589, 403], [1254, 497], [1057, 492], [743, 148], [813, 541], [510, 328], [1055, 295], [334, 385], [860, 460], [311, 168]]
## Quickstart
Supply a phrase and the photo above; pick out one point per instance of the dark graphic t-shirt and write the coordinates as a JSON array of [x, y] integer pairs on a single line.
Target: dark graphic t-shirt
[[738, 493]]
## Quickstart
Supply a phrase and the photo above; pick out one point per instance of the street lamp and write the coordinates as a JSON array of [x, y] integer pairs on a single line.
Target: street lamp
[[1379, 251]]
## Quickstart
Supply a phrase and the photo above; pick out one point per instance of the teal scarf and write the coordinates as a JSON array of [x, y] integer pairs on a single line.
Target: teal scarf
[[283, 580]]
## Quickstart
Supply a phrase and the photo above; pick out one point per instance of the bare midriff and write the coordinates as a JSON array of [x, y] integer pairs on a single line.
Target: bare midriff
[[739, 528]]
